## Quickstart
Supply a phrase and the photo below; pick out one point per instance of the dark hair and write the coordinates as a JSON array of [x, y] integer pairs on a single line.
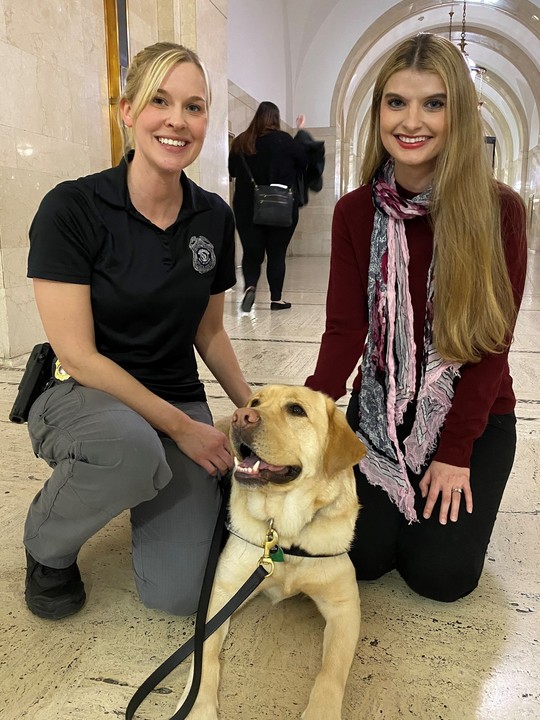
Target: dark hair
[[266, 118]]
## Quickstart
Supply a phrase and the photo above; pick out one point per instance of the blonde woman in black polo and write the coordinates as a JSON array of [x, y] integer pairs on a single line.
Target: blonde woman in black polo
[[130, 267]]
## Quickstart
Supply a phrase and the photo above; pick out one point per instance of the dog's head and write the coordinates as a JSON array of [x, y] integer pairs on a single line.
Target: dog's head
[[285, 432]]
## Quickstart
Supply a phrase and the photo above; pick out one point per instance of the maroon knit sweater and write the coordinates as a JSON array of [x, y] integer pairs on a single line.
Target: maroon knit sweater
[[484, 388]]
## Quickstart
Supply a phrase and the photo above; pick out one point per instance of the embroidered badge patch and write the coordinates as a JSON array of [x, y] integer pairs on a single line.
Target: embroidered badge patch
[[204, 257]]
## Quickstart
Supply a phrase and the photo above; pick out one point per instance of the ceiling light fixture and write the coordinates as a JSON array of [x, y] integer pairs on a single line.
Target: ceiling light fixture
[[477, 71]]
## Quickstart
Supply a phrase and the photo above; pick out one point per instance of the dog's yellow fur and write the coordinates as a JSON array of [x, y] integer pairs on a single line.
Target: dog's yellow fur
[[305, 484]]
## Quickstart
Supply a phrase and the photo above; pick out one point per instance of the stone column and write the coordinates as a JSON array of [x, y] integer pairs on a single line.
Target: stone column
[[53, 58], [53, 126], [201, 25]]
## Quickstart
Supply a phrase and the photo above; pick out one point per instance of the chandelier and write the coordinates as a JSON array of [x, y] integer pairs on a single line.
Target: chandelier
[[477, 71]]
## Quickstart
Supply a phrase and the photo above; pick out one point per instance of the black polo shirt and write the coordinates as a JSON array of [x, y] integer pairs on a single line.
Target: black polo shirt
[[149, 287]]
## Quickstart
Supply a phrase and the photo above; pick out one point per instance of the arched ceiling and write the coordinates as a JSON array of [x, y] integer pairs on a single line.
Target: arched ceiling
[[340, 44], [334, 48], [508, 50]]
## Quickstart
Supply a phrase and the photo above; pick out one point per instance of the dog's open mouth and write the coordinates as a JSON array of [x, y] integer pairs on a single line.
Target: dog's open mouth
[[253, 470]]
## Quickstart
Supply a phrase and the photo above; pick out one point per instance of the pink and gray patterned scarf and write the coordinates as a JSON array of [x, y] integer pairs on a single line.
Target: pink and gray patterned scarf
[[389, 359]]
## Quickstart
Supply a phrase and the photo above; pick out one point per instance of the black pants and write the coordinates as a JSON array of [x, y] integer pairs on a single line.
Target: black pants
[[442, 562], [258, 240]]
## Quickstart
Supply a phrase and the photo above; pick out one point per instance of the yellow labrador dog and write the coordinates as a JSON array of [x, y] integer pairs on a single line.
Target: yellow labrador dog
[[295, 454]]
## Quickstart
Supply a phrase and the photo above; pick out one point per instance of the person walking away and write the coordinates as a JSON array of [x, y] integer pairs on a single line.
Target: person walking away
[[272, 156]]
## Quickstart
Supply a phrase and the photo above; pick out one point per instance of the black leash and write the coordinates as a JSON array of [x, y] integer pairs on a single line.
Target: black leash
[[203, 629]]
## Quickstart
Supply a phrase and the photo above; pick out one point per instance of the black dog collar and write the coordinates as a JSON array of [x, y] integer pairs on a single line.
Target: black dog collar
[[294, 550]]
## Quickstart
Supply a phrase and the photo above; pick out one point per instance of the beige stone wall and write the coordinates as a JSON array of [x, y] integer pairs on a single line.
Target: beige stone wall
[[53, 126], [201, 25], [312, 235], [54, 122], [532, 198], [142, 24], [242, 107], [211, 24]]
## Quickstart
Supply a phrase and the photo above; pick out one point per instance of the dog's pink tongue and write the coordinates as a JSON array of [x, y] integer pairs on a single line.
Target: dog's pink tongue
[[250, 461]]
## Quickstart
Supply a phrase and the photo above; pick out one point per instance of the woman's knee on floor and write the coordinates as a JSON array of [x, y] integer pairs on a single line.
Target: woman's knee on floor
[[175, 603], [112, 454], [443, 562], [445, 581], [174, 589], [372, 563]]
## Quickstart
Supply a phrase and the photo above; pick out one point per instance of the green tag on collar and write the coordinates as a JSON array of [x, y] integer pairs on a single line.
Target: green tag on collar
[[276, 553]]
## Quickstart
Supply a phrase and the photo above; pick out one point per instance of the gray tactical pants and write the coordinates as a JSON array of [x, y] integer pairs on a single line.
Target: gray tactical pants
[[106, 458]]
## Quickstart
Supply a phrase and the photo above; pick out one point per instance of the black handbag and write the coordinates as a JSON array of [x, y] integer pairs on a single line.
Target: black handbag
[[272, 205]]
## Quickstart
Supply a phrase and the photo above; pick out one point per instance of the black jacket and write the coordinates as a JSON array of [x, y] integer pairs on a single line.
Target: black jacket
[[311, 177]]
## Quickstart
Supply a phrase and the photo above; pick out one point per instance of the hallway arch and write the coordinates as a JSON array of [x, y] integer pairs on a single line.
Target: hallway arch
[[499, 38]]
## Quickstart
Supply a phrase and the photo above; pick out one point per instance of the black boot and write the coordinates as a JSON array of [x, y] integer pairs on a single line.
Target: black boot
[[53, 594]]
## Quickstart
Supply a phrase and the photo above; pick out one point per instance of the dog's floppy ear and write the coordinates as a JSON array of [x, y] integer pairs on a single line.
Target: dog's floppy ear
[[343, 449]]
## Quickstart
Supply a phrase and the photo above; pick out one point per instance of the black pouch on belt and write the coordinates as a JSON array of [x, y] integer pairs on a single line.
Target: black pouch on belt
[[37, 377]]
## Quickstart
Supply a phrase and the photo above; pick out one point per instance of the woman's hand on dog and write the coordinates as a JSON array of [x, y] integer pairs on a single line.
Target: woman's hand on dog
[[205, 445], [452, 484]]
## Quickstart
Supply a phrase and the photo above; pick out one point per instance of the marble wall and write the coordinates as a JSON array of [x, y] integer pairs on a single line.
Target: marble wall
[[54, 121], [53, 126], [142, 24], [533, 200], [211, 25], [200, 25]]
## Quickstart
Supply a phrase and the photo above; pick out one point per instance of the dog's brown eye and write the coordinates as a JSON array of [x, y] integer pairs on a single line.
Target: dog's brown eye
[[254, 403], [295, 409]]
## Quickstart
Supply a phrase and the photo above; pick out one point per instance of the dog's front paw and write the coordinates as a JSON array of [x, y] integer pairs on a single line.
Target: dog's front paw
[[203, 712], [323, 706], [311, 713]]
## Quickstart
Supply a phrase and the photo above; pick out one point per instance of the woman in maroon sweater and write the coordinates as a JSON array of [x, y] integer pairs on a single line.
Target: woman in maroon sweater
[[433, 399]]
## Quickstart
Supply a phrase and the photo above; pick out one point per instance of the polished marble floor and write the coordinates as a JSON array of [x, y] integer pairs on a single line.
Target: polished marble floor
[[477, 659]]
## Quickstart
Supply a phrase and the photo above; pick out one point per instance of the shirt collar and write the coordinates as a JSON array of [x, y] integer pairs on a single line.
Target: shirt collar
[[111, 186]]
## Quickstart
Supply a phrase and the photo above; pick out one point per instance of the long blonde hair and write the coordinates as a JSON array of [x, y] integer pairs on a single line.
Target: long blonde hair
[[471, 279], [145, 75]]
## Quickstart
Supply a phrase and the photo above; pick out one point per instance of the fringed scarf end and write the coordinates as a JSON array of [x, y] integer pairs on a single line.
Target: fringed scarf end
[[402, 495]]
